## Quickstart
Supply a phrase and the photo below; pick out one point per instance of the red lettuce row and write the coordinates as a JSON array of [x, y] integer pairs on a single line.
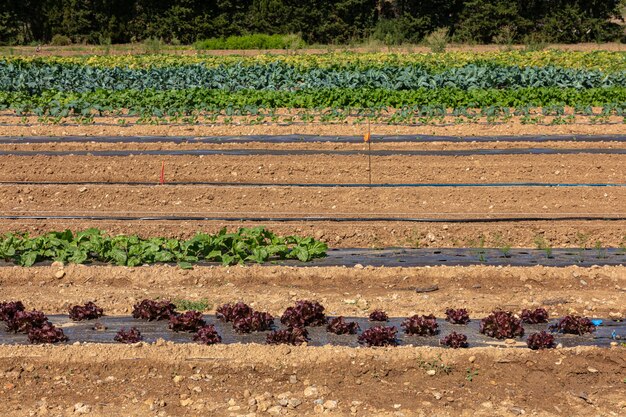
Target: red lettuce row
[[304, 313], [338, 325], [454, 340], [378, 315], [420, 325], [457, 316], [89, 311], [207, 335], [132, 335], [154, 310], [536, 316], [189, 321], [541, 340], [379, 336], [502, 325]]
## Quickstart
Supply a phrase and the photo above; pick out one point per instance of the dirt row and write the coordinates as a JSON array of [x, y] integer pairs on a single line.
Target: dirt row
[[570, 234], [166, 380], [583, 168], [270, 201], [513, 127], [355, 291]]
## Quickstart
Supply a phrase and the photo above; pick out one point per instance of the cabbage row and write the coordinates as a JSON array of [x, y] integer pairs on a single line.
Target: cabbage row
[[34, 79]]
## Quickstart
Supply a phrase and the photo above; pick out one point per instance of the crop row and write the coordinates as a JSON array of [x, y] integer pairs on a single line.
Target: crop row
[[184, 102], [245, 245], [407, 115], [499, 324], [281, 77], [598, 60]]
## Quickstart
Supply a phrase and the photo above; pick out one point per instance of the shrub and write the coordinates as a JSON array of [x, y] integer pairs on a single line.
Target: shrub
[[291, 336], [304, 313], [378, 315], [89, 311], [189, 321], [9, 308], [438, 40], [132, 335], [207, 335], [538, 315], [454, 340], [338, 325], [574, 325], [541, 340], [501, 325], [154, 310], [60, 40], [46, 334], [457, 316], [379, 336], [232, 312], [420, 325], [256, 321]]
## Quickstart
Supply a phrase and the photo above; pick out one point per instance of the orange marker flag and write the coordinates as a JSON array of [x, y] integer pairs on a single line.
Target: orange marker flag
[[162, 179], [367, 136]]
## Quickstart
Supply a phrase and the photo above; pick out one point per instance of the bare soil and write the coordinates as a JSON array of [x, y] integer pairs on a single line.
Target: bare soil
[[232, 380], [513, 127], [318, 169]]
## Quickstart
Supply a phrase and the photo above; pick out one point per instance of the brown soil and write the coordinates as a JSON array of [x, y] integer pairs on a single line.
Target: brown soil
[[329, 169], [232, 380], [510, 128], [293, 201], [343, 291]]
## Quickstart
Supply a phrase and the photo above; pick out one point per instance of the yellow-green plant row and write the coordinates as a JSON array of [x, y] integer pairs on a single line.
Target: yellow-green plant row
[[600, 60]]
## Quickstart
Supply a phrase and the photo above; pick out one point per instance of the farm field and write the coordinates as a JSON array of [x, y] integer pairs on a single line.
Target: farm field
[[476, 151]]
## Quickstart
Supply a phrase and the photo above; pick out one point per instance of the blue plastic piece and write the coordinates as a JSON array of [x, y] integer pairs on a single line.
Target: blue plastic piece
[[596, 322]]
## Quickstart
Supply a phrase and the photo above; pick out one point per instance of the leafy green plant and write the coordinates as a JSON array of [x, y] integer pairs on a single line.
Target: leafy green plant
[[470, 374], [544, 245], [246, 245], [182, 304]]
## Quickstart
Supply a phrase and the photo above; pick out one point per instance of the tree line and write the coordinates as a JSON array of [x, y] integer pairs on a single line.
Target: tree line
[[317, 21]]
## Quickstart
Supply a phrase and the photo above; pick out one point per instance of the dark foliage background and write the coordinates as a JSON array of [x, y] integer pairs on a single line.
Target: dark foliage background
[[317, 21]]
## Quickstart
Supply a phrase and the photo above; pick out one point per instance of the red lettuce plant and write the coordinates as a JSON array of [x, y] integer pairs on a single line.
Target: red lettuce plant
[[538, 315], [541, 340], [89, 311], [291, 336], [23, 321], [46, 334], [338, 325], [574, 325], [501, 325], [189, 321], [256, 321], [132, 335], [207, 335], [304, 313], [454, 340], [378, 315], [420, 325], [379, 336], [9, 308], [232, 312], [154, 310], [457, 316]]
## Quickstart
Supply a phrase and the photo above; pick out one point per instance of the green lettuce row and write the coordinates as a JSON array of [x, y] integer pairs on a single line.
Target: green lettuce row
[[245, 245], [150, 102]]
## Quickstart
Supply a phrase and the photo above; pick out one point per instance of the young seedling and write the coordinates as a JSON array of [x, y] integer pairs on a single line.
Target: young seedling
[[543, 245], [470, 373]]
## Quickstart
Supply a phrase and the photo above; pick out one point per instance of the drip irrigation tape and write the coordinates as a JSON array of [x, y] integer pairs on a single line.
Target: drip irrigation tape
[[311, 138], [321, 219], [309, 185], [300, 152]]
